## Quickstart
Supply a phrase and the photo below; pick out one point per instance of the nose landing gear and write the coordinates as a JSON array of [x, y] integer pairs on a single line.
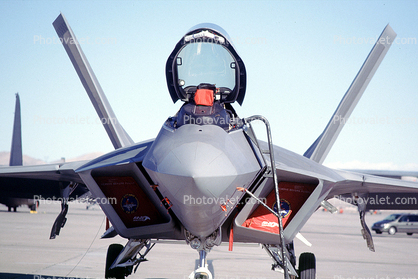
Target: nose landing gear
[[202, 272]]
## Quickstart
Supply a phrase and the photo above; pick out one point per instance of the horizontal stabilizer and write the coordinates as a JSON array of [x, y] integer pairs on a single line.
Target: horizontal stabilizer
[[321, 147], [114, 129]]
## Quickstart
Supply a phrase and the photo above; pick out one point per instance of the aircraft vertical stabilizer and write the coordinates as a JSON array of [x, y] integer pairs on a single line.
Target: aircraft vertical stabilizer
[[114, 129], [16, 151], [321, 147]]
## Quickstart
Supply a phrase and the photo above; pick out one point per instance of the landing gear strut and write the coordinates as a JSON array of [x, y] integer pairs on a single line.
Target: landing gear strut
[[274, 252], [202, 272], [203, 245]]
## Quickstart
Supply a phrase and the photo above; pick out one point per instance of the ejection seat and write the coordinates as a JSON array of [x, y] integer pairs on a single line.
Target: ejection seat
[[204, 108]]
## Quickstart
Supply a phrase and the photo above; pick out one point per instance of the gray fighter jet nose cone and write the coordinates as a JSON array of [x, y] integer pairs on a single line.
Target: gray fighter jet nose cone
[[201, 163], [198, 168]]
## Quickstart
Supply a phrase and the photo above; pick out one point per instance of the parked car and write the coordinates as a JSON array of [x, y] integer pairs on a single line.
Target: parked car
[[406, 223]]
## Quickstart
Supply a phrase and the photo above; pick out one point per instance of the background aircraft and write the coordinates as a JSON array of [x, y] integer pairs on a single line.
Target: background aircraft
[[127, 173], [15, 193], [12, 197]]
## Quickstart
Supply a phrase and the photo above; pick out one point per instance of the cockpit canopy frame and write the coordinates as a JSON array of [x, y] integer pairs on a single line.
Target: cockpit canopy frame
[[218, 36]]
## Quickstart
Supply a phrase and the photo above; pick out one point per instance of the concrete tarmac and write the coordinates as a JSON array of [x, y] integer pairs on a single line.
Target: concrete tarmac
[[78, 252]]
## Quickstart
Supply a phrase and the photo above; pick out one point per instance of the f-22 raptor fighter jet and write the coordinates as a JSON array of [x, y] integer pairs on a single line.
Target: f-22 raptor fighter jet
[[206, 178]]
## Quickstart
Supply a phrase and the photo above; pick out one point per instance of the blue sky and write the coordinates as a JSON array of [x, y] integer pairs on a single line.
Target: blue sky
[[300, 57]]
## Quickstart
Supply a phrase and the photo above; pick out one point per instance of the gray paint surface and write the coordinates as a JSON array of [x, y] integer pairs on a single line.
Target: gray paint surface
[[336, 238]]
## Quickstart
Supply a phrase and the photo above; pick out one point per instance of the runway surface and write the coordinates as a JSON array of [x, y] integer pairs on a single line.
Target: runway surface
[[78, 252]]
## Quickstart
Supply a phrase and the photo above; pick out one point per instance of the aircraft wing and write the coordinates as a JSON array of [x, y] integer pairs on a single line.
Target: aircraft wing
[[57, 172], [398, 174], [50, 178], [62, 182], [304, 185], [42, 183], [376, 192]]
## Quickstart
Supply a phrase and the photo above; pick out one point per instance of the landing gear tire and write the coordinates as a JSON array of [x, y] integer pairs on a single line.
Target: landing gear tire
[[32, 207], [112, 253], [392, 230], [307, 266]]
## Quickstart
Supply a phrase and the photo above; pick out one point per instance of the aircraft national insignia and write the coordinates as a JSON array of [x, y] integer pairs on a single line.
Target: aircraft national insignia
[[284, 208], [129, 203]]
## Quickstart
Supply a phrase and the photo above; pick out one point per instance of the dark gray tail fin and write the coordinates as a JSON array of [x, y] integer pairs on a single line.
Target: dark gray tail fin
[[16, 158]]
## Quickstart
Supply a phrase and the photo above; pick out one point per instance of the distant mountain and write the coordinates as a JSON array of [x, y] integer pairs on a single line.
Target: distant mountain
[[27, 160]]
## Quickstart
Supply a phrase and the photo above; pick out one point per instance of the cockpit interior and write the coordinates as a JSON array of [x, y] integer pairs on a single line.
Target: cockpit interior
[[205, 72]]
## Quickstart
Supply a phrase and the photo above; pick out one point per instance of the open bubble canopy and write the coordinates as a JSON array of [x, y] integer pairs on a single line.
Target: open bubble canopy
[[206, 55]]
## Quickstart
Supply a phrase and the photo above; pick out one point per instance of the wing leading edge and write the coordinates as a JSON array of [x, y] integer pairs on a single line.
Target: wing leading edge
[[375, 192], [114, 129], [321, 147]]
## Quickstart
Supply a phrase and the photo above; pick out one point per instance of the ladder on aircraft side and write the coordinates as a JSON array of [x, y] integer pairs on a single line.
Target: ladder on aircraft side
[[269, 172]]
